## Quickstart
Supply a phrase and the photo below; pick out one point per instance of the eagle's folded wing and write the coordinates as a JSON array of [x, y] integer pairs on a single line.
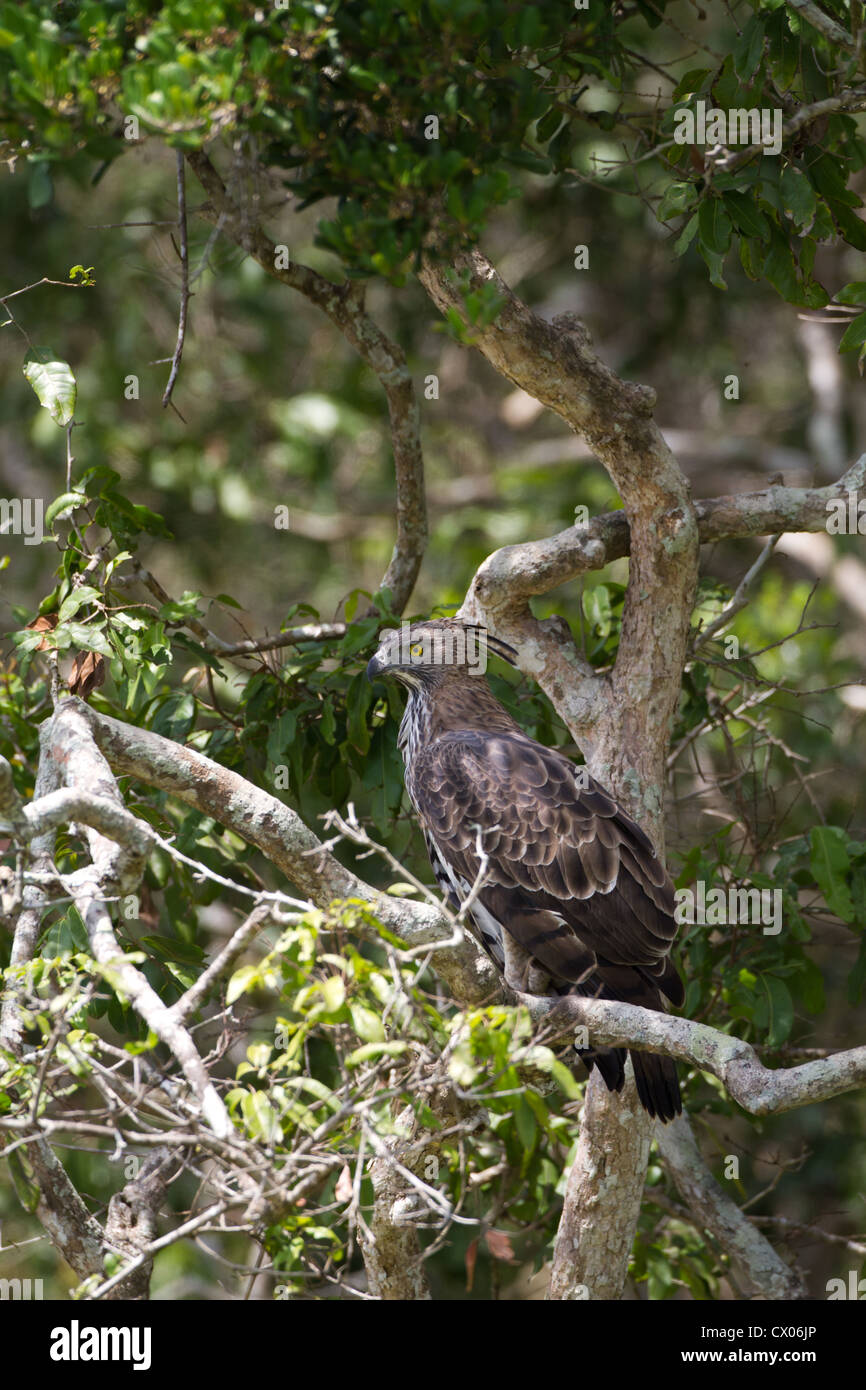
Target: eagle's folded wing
[[567, 872]]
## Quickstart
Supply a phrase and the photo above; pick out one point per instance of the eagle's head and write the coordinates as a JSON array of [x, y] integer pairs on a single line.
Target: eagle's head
[[419, 654]]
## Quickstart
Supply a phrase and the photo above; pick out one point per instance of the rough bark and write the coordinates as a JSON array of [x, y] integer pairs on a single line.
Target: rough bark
[[757, 1268], [592, 1244]]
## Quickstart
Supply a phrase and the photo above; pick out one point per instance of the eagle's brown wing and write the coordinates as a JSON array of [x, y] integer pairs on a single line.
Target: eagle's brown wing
[[558, 847], [569, 876]]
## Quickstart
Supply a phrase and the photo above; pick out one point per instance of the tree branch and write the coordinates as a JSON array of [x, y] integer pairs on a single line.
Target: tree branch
[[591, 1254], [757, 1265], [281, 835], [758, 1089]]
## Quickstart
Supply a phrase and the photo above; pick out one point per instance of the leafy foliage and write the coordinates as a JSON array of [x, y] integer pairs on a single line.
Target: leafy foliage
[[330, 97]]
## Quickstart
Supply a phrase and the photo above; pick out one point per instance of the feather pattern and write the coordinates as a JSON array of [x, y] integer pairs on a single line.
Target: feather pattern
[[572, 887]]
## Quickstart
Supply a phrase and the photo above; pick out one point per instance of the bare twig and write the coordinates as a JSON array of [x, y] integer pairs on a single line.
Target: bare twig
[[184, 279]]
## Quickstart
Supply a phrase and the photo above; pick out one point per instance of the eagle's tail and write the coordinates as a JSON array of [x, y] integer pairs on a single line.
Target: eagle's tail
[[657, 1084], [610, 1062], [656, 1077]]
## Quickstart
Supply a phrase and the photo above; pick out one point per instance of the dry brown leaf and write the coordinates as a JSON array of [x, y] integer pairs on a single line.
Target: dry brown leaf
[[88, 673], [343, 1191], [46, 622], [500, 1247]]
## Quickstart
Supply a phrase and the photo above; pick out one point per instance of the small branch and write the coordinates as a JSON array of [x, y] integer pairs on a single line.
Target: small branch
[[349, 827], [309, 632], [248, 646], [517, 572], [184, 279], [848, 100], [221, 965], [796, 1228], [739, 599], [838, 36]]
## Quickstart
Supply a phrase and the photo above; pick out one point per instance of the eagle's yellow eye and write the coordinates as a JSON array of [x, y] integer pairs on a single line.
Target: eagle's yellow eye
[[416, 651]]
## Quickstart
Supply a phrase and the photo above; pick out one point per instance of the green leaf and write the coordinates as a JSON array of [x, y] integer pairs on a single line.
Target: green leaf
[[79, 597], [598, 611], [748, 48], [780, 268], [66, 502], [852, 293], [366, 1024], [328, 722], [333, 992], [715, 264], [241, 982], [686, 236], [798, 196], [527, 1127], [854, 335], [260, 1117], [780, 1009], [53, 382], [169, 948], [690, 83], [830, 863], [714, 225], [747, 218], [370, 1051], [852, 228], [677, 197]]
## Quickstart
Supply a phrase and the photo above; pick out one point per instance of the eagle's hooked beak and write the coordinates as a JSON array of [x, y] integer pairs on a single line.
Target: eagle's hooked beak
[[375, 666]]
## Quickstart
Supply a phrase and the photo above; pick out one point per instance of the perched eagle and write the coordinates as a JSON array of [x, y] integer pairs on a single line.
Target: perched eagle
[[574, 898]]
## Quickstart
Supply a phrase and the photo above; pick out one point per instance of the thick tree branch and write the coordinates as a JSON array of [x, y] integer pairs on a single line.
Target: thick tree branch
[[508, 577], [131, 1223], [758, 1089], [756, 1265], [824, 23], [591, 1254], [626, 717], [281, 835]]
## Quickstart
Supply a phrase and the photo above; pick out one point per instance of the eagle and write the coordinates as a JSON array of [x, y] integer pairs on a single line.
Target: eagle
[[568, 893]]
